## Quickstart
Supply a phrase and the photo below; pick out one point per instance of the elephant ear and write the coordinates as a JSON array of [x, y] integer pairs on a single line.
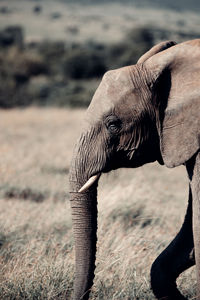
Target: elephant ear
[[176, 77], [157, 48]]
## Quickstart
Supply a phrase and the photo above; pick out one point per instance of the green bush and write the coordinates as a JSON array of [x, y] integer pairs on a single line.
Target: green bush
[[57, 73], [12, 35], [137, 41], [17, 67], [81, 64]]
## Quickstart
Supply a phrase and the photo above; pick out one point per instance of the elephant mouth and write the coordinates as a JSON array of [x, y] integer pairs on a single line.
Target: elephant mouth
[[89, 183]]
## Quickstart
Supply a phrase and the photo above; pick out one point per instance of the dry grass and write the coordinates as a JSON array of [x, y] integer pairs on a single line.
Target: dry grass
[[140, 211]]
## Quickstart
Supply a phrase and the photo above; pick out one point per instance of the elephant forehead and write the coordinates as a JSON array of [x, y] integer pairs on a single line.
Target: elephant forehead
[[116, 83], [115, 88]]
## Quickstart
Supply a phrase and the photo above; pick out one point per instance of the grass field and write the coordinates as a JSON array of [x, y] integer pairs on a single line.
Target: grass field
[[140, 211]]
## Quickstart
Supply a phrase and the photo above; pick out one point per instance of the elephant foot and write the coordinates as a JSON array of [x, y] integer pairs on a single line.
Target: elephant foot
[[167, 292], [175, 259], [163, 287], [181, 297]]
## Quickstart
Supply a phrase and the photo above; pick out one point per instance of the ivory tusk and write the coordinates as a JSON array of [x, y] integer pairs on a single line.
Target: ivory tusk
[[89, 183]]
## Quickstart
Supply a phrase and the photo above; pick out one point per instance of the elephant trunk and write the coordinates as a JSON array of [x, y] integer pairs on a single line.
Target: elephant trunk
[[84, 218]]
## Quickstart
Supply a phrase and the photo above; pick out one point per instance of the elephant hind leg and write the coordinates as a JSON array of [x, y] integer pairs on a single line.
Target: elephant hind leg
[[176, 258]]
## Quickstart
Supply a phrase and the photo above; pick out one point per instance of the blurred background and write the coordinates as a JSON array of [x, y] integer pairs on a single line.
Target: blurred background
[[54, 52]]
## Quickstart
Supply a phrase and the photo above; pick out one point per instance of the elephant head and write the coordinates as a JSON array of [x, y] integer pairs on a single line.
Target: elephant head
[[139, 114]]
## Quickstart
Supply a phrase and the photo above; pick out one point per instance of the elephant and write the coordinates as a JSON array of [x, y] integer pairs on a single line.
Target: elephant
[[140, 114]]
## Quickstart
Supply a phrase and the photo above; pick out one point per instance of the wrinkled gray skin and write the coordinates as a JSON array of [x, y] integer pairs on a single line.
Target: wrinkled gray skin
[[139, 114]]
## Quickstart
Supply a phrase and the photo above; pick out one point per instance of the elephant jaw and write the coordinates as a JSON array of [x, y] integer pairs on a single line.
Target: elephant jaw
[[89, 183]]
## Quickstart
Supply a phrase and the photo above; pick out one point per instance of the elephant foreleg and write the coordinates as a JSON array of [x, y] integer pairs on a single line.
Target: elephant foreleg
[[175, 259]]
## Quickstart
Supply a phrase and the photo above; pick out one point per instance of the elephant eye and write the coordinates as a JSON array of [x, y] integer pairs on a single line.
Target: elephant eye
[[113, 128], [113, 125]]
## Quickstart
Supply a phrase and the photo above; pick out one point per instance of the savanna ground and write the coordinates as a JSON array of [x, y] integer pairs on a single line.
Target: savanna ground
[[140, 211], [53, 53]]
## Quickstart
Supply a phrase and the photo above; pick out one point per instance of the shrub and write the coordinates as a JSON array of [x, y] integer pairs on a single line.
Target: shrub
[[51, 50], [137, 41], [11, 35], [57, 73], [81, 64]]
